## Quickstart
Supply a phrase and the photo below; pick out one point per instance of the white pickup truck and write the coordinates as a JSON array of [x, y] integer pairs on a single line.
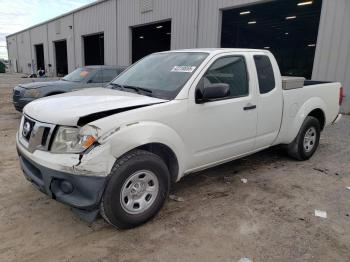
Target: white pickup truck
[[116, 150]]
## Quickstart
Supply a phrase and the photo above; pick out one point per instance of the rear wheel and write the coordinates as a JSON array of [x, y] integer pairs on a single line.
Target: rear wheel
[[137, 189], [307, 140]]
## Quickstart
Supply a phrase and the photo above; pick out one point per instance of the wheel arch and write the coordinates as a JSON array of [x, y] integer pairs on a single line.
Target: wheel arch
[[319, 115], [167, 155], [153, 137], [293, 121], [313, 107]]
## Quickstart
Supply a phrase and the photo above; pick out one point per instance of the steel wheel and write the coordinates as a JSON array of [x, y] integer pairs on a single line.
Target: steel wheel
[[309, 139], [138, 186], [139, 192]]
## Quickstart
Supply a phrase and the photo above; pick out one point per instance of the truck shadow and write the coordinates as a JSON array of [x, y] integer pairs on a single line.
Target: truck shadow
[[274, 157]]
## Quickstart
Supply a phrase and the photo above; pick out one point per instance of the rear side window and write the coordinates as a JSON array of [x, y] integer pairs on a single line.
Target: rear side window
[[266, 76], [229, 70]]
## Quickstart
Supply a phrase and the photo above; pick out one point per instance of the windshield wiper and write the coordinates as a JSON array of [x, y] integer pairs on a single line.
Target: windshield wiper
[[116, 85], [135, 88], [138, 89]]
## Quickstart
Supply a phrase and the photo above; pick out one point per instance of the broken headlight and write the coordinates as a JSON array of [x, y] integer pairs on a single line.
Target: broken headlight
[[70, 140]]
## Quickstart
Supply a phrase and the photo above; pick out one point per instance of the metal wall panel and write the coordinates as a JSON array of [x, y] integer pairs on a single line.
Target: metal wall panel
[[332, 58], [24, 54], [61, 29], [12, 52], [39, 36], [182, 13], [95, 19]]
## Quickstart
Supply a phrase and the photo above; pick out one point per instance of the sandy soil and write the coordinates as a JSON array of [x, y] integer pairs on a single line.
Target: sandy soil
[[270, 218]]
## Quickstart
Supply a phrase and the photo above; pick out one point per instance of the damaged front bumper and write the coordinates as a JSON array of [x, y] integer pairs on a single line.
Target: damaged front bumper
[[74, 184]]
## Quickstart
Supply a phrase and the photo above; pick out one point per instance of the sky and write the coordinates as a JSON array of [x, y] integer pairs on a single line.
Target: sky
[[16, 15]]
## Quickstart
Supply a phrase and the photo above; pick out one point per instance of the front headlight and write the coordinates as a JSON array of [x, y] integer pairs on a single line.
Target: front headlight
[[35, 93], [69, 140]]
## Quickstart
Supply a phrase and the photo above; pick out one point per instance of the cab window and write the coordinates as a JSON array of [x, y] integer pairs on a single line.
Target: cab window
[[104, 76], [109, 75], [266, 76], [97, 78], [229, 70]]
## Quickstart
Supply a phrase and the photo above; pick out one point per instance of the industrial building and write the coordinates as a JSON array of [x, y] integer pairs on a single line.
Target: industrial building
[[309, 38]]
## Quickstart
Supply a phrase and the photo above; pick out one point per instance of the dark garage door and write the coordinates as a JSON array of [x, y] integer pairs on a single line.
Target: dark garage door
[[94, 49], [150, 38], [61, 58], [287, 28], [39, 53]]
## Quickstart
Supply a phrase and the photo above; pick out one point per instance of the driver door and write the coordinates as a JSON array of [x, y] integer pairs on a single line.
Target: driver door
[[225, 128]]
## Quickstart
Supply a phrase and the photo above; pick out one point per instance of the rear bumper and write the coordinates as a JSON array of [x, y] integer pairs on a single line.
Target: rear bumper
[[337, 119], [82, 193]]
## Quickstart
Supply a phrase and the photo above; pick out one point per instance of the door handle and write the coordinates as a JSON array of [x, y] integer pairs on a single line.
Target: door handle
[[249, 107]]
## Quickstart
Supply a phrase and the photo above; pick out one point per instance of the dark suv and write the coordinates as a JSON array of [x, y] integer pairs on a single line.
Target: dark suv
[[83, 77]]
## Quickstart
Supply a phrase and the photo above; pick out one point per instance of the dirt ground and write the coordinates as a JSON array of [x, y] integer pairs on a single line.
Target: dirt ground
[[270, 218]]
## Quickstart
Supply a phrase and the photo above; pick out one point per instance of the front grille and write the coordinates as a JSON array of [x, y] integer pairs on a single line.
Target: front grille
[[35, 135], [44, 139]]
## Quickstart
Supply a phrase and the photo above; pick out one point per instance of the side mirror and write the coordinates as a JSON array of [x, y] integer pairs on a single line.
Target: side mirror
[[212, 92]]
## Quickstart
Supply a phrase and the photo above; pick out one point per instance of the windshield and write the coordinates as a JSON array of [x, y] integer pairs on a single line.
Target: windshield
[[162, 74], [77, 75]]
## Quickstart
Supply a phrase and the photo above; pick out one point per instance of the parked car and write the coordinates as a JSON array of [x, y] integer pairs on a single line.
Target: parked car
[[83, 77], [116, 150]]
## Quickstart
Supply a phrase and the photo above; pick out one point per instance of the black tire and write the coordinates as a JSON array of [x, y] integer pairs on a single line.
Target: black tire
[[111, 207], [296, 149]]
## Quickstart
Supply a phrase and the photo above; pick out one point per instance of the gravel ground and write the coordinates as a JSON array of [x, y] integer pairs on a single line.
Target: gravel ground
[[269, 218]]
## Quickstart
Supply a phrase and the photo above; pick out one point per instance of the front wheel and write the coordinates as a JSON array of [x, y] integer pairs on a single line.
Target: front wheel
[[136, 191], [307, 140]]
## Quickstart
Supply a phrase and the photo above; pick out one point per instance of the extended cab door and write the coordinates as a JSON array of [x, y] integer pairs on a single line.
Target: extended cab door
[[225, 128], [270, 99]]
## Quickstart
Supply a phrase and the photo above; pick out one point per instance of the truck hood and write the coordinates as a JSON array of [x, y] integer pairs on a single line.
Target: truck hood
[[69, 108]]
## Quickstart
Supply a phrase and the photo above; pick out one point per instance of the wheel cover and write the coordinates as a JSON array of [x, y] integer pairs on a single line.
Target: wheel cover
[[310, 139], [139, 192]]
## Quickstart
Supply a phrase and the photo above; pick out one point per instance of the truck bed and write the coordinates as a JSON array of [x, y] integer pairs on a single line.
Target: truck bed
[[313, 82], [298, 101], [291, 82]]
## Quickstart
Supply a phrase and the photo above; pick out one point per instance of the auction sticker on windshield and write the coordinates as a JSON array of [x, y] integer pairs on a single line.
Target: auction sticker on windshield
[[183, 69]]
